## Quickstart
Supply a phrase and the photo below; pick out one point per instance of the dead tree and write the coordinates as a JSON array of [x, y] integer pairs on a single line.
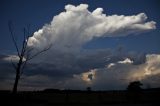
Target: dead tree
[[24, 54]]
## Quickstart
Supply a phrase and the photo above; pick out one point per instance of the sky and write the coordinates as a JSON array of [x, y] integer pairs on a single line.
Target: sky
[[103, 44]]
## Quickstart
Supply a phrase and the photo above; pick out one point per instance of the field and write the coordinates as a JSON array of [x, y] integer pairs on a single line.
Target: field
[[77, 98]]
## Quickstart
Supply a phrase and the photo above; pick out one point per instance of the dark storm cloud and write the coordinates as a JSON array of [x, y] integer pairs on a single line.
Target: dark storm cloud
[[58, 71]]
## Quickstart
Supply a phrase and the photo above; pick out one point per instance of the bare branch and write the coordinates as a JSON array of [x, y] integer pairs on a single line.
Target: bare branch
[[24, 34], [22, 69], [38, 53], [28, 51], [26, 39], [28, 29], [13, 38], [24, 42], [24, 63], [14, 66]]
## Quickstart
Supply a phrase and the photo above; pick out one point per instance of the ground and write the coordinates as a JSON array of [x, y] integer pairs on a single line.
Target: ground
[[78, 98]]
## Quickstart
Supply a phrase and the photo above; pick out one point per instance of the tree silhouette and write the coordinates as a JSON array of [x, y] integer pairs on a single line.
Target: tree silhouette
[[134, 86], [24, 54], [88, 89]]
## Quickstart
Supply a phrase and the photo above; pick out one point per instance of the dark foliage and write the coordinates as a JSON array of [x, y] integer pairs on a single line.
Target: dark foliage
[[134, 86]]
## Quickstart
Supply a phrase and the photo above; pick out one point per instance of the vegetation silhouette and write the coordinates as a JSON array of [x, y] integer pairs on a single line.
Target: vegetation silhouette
[[134, 91], [49, 97], [88, 89], [134, 86]]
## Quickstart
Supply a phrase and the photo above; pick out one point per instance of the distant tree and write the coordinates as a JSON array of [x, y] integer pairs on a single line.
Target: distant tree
[[134, 86], [24, 53], [88, 88]]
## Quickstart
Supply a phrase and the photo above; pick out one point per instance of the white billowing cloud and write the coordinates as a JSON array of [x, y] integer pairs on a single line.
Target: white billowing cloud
[[77, 25], [111, 65], [126, 61], [13, 58]]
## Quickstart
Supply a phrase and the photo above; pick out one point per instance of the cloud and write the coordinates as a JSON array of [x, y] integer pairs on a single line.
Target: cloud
[[119, 76], [98, 76], [111, 65], [88, 76], [68, 65], [74, 27], [150, 68], [13, 58], [126, 61]]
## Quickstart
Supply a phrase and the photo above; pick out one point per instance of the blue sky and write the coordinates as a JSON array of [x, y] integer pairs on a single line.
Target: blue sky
[[129, 53]]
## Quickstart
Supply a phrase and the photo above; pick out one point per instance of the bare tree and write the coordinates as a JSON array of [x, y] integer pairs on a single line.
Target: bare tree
[[24, 53]]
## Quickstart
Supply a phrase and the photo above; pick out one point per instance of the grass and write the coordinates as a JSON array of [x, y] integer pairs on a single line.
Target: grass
[[148, 97]]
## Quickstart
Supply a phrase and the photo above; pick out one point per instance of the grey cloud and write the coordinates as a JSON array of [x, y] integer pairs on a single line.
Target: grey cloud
[[47, 75]]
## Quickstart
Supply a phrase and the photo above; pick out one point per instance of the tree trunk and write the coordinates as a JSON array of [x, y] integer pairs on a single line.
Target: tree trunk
[[16, 82], [18, 70]]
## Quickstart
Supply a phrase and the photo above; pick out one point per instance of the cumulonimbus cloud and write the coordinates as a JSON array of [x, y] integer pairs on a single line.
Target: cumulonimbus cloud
[[77, 25], [69, 30]]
